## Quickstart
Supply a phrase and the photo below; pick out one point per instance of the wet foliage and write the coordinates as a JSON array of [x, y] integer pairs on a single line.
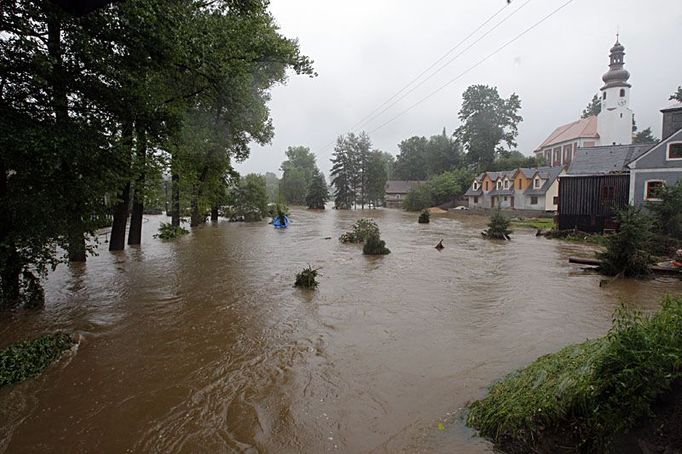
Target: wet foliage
[[170, 231], [375, 246], [498, 227], [581, 397], [424, 217], [627, 251], [307, 278], [361, 231], [28, 358]]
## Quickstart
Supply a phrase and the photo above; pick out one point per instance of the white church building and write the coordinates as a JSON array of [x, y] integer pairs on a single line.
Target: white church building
[[613, 125]]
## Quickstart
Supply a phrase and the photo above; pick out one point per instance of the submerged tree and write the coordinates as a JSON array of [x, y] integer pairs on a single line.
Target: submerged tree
[[626, 251], [498, 227], [297, 174]]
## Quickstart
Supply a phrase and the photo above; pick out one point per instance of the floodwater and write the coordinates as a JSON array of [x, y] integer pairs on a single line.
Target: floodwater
[[202, 345]]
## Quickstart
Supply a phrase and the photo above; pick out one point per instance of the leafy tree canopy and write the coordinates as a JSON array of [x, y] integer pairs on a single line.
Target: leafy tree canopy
[[644, 136], [593, 108]]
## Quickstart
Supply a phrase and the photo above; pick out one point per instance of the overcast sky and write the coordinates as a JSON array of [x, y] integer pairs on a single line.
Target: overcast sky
[[367, 50]]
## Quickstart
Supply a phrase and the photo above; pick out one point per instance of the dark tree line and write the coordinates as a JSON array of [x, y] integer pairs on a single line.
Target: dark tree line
[[92, 105]]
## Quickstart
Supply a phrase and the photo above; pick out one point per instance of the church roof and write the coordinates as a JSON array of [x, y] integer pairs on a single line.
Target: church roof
[[583, 128]]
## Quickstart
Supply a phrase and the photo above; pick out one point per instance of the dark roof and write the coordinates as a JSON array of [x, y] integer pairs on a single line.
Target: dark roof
[[470, 192], [605, 159], [401, 186], [549, 174]]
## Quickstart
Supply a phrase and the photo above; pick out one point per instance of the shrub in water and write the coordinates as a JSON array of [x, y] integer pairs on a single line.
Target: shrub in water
[[626, 251], [306, 278], [362, 230], [25, 359], [584, 395], [498, 227], [375, 246], [424, 217], [169, 231]]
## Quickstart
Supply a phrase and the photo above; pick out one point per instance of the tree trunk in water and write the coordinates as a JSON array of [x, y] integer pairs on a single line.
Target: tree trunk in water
[[118, 228], [135, 233], [10, 267], [214, 214], [175, 203], [194, 215]]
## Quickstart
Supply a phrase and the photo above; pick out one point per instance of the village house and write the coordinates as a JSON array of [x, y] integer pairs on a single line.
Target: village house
[[520, 189], [396, 190], [660, 165]]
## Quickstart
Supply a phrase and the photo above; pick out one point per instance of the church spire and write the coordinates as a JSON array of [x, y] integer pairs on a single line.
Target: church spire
[[616, 76]]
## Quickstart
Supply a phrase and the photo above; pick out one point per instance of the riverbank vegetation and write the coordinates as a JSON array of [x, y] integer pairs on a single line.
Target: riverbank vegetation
[[626, 251], [583, 396], [26, 359], [307, 278], [84, 129]]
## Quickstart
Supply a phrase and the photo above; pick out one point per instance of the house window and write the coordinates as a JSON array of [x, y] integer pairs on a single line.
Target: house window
[[555, 200], [506, 184], [397, 196], [520, 184], [475, 185], [653, 189], [475, 199], [533, 200], [557, 157], [505, 198], [486, 186], [622, 92], [675, 150], [536, 183], [608, 193], [604, 95], [499, 185]]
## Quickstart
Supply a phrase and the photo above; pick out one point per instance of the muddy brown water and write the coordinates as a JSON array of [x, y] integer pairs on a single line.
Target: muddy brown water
[[202, 345]]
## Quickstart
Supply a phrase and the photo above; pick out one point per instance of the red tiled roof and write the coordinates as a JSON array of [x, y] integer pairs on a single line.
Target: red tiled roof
[[583, 128]]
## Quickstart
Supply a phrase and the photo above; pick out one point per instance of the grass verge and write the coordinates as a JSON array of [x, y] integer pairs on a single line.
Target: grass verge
[[533, 223], [581, 397], [26, 359]]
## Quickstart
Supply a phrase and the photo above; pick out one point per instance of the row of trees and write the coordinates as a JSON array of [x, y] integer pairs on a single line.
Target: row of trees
[[94, 107], [358, 172]]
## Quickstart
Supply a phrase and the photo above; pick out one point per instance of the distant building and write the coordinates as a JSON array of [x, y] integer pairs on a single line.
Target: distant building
[[662, 164], [595, 186], [396, 190], [520, 189], [613, 125]]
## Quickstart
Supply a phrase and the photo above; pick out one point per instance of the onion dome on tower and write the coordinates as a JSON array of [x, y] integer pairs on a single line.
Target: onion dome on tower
[[616, 76]]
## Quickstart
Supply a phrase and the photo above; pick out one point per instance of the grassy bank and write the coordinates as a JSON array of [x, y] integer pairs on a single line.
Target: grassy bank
[[533, 223], [580, 398], [28, 358]]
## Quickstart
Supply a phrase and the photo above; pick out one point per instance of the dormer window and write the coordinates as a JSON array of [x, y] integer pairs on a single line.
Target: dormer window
[[499, 184], [475, 185], [506, 184], [674, 151], [536, 183]]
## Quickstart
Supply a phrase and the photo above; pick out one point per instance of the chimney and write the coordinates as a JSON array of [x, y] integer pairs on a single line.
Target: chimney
[[672, 120]]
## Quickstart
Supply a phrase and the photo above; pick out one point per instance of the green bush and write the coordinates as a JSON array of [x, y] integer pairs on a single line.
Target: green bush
[[169, 231], [361, 231], [498, 227], [417, 199], [424, 217], [668, 211], [585, 394], [26, 359], [306, 278], [375, 246], [626, 251]]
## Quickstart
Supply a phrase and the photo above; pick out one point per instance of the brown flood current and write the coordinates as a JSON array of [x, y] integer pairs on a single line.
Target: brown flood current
[[203, 345]]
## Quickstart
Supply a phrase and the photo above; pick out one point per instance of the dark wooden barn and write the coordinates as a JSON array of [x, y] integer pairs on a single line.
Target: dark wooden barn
[[589, 202]]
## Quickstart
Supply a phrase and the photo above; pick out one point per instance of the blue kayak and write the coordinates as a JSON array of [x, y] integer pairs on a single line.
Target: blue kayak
[[277, 222]]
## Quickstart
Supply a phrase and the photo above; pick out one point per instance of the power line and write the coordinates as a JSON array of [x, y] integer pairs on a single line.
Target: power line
[[479, 39], [480, 62], [452, 49]]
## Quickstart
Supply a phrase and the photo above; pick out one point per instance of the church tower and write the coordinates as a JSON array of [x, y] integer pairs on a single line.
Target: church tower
[[614, 122]]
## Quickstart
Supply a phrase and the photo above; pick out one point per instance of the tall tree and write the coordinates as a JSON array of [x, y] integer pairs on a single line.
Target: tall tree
[[593, 108], [297, 174], [343, 171], [676, 96], [317, 193], [377, 176], [488, 120], [410, 164], [644, 136]]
